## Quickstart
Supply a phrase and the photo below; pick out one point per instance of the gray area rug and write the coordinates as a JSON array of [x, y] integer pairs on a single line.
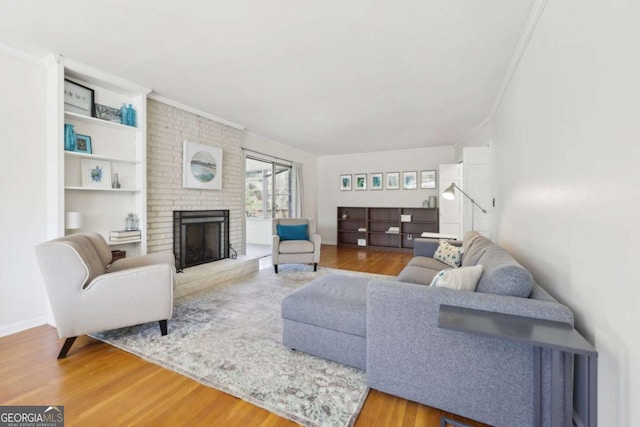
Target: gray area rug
[[230, 337]]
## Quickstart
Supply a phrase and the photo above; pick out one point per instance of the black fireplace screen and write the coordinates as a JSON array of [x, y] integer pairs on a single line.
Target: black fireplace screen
[[200, 237]]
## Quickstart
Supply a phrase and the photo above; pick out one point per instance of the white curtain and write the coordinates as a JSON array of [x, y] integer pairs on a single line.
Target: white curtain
[[298, 191]]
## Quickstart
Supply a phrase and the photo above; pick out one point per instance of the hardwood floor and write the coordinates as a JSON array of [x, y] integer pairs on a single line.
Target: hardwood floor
[[100, 385]]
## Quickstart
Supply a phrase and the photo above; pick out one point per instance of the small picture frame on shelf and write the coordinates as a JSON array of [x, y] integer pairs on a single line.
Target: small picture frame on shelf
[[83, 144], [361, 181], [428, 179], [376, 181], [392, 180], [96, 174], [345, 182], [409, 180], [78, 99], [110, 114]]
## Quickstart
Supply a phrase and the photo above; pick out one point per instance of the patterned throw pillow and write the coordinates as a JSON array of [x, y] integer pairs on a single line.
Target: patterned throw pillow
[[463, 278], [449, 254]]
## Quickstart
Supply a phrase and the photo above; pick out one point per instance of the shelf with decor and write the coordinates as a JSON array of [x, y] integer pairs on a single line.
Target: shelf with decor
[[101, 122], [387, 228], [352, 226], [100, 158]]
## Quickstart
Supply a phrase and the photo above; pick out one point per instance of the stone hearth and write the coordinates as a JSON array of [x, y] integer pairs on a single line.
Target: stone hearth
[[199, 277]]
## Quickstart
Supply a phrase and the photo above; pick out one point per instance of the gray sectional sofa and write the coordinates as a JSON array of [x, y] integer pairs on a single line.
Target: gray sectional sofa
[[390, 329]]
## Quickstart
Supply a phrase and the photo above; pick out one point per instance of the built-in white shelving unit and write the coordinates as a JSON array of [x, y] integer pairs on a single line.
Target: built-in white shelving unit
[[122, 147]]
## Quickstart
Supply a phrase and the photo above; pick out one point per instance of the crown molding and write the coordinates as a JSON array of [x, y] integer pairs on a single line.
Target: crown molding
[[532, 23], [19, 53], [523, 43], [195, 111]]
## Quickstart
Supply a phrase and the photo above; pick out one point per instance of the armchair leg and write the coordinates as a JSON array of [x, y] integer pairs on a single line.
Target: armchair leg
[[275, 266], [66, 347], [315, 266], [163, 327]]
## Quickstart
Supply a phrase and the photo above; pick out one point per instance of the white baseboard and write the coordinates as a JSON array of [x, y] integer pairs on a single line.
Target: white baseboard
[[22, 326]]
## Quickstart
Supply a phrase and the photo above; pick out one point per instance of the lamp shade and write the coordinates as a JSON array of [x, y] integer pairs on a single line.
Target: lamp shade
[[450, 192], [73, 220]]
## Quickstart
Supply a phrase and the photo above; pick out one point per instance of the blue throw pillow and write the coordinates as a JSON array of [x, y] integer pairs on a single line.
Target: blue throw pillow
[[292, 232]]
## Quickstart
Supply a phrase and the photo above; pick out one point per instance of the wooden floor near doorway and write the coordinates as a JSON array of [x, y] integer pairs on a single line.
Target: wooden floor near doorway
[[100, 385]]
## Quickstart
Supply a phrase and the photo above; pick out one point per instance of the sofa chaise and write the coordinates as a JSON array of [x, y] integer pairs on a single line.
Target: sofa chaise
[[389, 328]]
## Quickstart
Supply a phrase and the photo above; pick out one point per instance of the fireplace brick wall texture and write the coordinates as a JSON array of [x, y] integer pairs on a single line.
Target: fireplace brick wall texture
[[167, 128]]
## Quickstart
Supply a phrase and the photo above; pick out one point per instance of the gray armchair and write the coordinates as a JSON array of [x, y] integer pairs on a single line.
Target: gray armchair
[[88, 293], [300, 250]]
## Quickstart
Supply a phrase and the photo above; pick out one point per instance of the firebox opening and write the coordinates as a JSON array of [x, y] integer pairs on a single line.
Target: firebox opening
[[200, 237]]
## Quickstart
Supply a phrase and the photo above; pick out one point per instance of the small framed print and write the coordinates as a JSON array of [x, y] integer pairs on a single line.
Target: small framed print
[[345, 182], [392, 180], [83, 144], [428, 179], [78, 99], [361, 181], [376, 181], [96, 174], [409, 180]]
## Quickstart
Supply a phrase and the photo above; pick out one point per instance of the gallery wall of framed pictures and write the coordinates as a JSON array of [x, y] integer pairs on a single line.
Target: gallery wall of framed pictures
[[375, 181]]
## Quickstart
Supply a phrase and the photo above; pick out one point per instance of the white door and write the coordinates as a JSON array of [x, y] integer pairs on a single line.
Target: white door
[[450, 210], [476, 162]]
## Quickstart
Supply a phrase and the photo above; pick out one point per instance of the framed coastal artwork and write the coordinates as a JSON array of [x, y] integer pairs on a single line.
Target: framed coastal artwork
[[409, 180], [345, 182], [376, 181], [202, 166], [361, 181], [428, 179], [392, 180]]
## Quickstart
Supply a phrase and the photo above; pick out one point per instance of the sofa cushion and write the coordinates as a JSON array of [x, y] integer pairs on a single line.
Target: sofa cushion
[[335, 301], [295, 247], [417, 275], [474, 246], [449, 254], [503, 275], [463, 278], [293, 232], [426, 262]]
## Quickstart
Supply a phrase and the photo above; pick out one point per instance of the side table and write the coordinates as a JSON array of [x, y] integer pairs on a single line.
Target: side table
[[542, 334]]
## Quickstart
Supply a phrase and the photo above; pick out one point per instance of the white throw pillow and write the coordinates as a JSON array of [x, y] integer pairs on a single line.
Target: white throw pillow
[[448, 253], [463, 278]]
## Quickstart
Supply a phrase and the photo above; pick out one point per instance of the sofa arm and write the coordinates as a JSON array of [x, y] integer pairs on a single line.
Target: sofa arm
[[151, 285], [162, 257], [275, 252], [486, 379], [425, 247], [317, 242]]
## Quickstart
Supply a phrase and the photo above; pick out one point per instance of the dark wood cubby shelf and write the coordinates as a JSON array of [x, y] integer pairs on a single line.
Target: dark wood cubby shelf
[[370, 225]]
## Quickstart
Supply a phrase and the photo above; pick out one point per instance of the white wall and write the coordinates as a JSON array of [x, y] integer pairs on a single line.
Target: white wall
[[331, 167], [23, 168], [567, 180]]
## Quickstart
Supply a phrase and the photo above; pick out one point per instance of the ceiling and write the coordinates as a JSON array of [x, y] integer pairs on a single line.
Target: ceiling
[[327, 77]]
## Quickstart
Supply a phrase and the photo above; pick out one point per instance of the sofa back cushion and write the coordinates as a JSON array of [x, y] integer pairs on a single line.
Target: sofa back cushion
[[474, 245], [503, 275], [101, 246]]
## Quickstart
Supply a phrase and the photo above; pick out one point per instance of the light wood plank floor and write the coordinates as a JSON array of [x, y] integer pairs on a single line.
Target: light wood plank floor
[[100, 385]]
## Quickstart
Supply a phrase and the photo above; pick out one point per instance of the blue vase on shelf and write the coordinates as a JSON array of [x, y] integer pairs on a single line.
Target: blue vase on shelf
[[124, 114], [69, 138], [131, 116]]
